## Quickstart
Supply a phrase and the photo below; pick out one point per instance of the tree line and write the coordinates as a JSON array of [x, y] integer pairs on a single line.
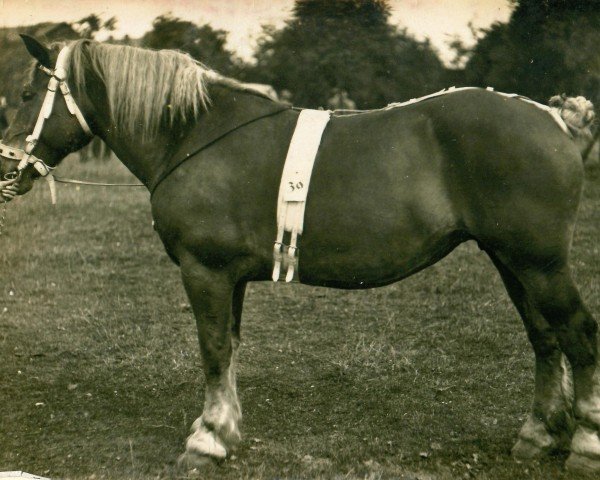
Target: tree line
[[546, 47], [350, 46]]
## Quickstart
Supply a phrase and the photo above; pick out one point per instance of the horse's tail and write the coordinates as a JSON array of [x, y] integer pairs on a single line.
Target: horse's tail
[[578, 113]]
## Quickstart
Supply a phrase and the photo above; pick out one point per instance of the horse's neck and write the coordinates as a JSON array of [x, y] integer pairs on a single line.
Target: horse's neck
[[145, 160], [227, 103], [230, 107], [142, 159]]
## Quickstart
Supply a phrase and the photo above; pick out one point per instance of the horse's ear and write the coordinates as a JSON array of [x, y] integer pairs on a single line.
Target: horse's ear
[[38, 51]]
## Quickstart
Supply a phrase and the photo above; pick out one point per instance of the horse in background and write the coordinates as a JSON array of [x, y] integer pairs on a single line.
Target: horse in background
[[340, 100], [392, 192], [95, 150]]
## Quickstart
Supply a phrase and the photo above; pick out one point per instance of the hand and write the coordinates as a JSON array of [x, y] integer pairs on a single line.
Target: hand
[[8, 190]]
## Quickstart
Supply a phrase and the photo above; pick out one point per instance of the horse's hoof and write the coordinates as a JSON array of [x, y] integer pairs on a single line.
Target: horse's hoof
[[527, 450], [534, 441], [581, 464], [195, 461], [585, 452]]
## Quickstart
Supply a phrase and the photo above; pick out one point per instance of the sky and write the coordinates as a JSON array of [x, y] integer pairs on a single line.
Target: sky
[[438, 20]]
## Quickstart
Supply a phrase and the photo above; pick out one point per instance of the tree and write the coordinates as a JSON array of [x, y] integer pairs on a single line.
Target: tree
[[547, 47], [345, 45], [201, 42], [88, 26]]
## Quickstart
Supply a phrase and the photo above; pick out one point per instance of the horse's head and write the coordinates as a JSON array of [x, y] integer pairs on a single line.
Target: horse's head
[[48, 124]]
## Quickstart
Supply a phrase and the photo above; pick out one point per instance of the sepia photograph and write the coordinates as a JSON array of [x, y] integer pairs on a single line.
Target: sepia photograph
[[399, 198]]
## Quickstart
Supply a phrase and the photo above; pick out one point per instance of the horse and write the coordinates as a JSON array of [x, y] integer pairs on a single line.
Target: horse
[[392, 192]]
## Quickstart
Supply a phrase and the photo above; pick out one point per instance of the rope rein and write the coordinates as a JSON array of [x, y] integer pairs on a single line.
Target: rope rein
[[95, 184]]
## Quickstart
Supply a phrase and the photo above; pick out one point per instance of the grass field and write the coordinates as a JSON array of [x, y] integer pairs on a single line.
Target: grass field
[[430, 378]]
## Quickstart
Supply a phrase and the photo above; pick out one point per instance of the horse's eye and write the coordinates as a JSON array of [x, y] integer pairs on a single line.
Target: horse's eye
[[27, 95]]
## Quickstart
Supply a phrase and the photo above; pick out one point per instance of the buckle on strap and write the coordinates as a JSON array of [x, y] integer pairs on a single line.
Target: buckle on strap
[[46, 70], [40, 166]]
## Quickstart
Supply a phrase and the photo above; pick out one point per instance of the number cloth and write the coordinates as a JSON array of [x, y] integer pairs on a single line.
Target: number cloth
[[293, 189]]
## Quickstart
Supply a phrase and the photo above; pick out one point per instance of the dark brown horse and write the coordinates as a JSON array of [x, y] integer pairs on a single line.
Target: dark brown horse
[[392, 192]]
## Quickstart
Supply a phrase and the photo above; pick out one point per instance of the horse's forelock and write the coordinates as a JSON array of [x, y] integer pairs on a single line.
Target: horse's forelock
[[144, 87]]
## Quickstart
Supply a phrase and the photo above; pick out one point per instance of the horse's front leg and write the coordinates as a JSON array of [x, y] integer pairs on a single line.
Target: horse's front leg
[[216, 302]]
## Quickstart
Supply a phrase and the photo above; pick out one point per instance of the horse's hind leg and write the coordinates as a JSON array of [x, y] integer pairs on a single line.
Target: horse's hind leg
[[577, 333], [550, 424], [217, 305], [553, 293]]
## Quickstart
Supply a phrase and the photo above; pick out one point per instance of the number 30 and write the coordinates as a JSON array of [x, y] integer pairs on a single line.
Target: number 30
[[295, 186]]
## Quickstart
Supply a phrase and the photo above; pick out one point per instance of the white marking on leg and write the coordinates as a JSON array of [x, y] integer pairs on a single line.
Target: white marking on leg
[[567, 380], [216, 431], [589, 407], [534, 431], [203, 442], [586, 442]]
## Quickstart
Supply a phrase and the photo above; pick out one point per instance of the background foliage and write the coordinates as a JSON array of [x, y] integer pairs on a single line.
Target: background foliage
[[201, 41], [349, 45], [546, 47]]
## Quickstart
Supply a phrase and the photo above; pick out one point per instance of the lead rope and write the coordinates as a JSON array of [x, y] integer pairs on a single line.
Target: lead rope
[[96, 184], [51, 179]]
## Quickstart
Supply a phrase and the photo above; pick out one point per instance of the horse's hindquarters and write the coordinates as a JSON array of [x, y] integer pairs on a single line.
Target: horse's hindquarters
[[514, 178]]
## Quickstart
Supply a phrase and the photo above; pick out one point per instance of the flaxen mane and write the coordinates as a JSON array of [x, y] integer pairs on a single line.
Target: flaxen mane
[[145, 87]]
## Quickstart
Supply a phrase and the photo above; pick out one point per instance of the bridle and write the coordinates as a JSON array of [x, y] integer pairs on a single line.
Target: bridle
[[58, 81]]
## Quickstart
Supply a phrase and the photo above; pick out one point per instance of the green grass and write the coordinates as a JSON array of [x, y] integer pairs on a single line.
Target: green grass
[[100, 372]]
